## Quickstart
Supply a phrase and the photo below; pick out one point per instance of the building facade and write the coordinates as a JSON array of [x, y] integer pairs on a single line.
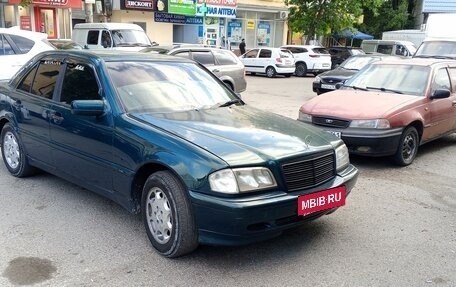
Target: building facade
[[259, 22]]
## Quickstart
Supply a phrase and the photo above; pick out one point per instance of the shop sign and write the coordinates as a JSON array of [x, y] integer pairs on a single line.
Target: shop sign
[[26, 23], [177, 19], [250, 24], [145, 5], [216, 11], [181, 7], [230, 3], [53, 3]]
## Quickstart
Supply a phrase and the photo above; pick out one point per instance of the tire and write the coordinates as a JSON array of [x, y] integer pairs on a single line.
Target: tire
[[270, 72], [408, 147], [301, 69], [13, 153], [167, 215]]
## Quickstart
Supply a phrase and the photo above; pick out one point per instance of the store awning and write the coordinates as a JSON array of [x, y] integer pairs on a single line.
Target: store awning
[[349, 34]]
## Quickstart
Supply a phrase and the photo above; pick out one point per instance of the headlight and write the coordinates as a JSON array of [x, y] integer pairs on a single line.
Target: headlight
[[370, 124], [241, 180], [305, 117], [342, 157], [317, 79]]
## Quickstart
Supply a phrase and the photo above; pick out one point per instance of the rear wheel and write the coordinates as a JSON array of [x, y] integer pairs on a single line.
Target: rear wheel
[[270, 72], [301, 69], [167, 215], [408, 147], [13, 153]]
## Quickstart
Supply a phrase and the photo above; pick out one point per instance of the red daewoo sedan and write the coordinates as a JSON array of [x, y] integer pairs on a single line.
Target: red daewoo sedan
[[389, 108]]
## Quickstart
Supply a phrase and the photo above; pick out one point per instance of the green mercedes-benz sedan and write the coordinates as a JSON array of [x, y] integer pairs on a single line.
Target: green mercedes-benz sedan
[[164, 137]]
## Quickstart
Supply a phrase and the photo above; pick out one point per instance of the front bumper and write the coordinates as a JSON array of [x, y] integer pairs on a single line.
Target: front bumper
[[237, 221], [370, 142]]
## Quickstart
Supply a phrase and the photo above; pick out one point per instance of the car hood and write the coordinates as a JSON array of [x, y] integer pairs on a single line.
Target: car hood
[[241, 134], [338, 73], [361, 104]]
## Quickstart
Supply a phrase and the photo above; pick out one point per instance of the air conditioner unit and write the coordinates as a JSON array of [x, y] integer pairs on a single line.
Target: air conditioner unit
[[283, 14]]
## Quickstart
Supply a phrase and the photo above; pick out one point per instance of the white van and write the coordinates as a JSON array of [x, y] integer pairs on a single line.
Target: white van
[[389, 47], [118, 36], [440, 38]]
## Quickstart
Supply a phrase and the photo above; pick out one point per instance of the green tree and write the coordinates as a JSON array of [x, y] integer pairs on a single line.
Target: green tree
[[323, 17], [392, 15]]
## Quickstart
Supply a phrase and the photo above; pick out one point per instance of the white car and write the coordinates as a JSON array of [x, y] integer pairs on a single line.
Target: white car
[[269, 61], [17, 47], [310, 59]]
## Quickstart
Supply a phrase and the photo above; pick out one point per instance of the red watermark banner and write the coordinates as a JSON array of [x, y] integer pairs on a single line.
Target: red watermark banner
[[322, 200], [26, 23]]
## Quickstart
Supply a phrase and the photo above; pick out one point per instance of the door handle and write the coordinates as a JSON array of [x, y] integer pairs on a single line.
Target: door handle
[[56, 117], [215, 70]]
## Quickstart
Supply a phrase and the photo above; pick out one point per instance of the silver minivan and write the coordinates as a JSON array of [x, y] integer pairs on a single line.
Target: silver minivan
[[389, 47]]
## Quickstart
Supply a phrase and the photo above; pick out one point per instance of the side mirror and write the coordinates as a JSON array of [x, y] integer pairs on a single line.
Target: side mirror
[[86, 46], [88, 107], [441, 94]]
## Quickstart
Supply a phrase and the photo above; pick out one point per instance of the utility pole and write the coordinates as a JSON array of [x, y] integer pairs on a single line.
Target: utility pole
[[89, 10]]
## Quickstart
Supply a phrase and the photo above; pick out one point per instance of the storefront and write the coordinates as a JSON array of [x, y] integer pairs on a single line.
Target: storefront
[[47, 16]]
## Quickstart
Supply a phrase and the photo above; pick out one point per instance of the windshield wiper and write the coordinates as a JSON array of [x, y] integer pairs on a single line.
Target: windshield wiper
[[355, 87], [385, 90], [229, 103]]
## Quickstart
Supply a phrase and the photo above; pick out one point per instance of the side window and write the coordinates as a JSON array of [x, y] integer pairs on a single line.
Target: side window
[[441, 81], [265, 53], [106, 39], [5, 47], [185, 54], [385, 49], [45, 79], [79, 83], [251, 54], [225, 58], [27, 82], [24, 44], [452, 71], [204, 58], [92, 37]]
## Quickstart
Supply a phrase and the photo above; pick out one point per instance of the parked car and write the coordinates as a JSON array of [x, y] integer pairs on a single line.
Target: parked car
[[389, 47], [389, 108], [269, 61], [17, 47], [223, 63], [310, 59], [327, 81], [164, 137], [65, 44], [342, 53]]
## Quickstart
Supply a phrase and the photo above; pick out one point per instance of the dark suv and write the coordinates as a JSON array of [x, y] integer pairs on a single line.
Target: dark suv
[[341, 53]]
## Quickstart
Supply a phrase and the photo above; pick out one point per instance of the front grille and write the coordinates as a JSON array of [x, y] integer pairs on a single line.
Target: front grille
[[332, 81], [309, 172], [330, 122]]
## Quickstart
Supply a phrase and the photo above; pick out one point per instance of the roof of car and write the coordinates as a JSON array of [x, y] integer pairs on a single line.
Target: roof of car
[[15, 30], [415, 61], [116, 55], [304, 46]]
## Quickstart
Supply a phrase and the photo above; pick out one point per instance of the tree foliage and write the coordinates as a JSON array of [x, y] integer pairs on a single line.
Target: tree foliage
[[392, 15], [25, 3], [323, 17]]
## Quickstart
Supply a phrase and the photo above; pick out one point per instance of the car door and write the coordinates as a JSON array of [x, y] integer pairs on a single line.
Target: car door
[[265, 59], [32, 100], [442, 111], [250, 61], [82, 144]]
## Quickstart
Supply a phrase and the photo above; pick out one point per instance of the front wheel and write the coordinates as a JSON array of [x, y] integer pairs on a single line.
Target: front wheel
[[167, 215], [408, 147], [270, 72], [13, 153]]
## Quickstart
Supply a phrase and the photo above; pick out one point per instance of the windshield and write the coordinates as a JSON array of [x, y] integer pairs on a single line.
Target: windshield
[[166, 86], [357, 63], [402, 78], [130, 38], [437, 48]]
